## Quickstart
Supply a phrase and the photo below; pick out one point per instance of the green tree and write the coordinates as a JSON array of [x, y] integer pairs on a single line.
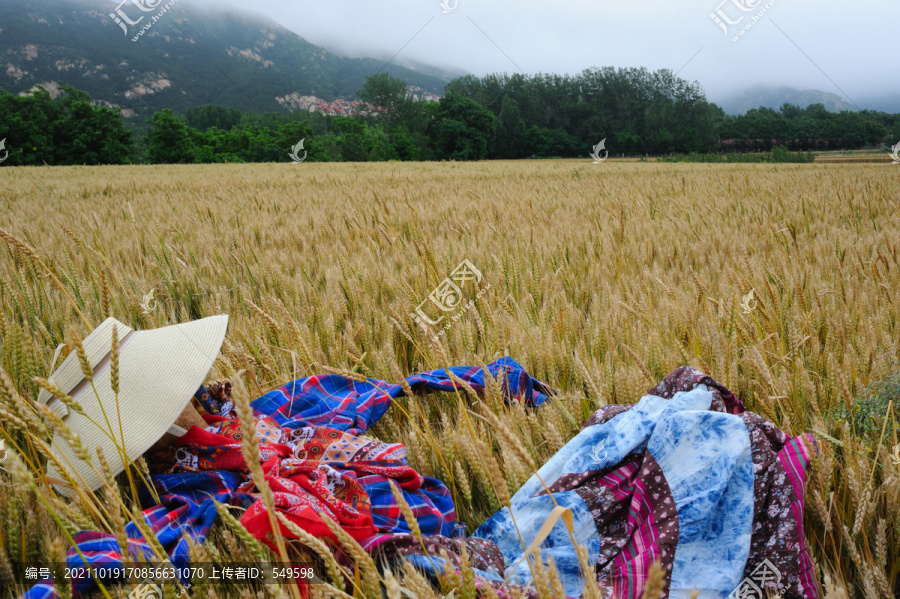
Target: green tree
[[289, 135], [379, 142], [509, 136], [170, 140], [264, 146], [539, 141], [597, 103], [389, 96], [68, 130], [352, 142], [461, 128], [92, 134], [203, 118], [28, 125], [790, 111], [216, 146], [875, 132], [627, 142], [404, 146], [563, 144]]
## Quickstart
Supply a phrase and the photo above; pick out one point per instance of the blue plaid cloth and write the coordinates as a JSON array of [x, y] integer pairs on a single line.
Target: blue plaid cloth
[[341, 403], [333, 401]]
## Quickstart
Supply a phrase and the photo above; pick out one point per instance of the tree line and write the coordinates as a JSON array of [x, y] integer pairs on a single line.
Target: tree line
[[634, 111]]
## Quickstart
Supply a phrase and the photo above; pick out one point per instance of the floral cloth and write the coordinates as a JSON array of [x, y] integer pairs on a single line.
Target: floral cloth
[[312, 471]]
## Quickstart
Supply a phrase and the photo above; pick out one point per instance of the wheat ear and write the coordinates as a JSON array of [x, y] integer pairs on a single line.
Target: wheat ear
[[320, 548], [250, 449], [365, 563], [656, 581]]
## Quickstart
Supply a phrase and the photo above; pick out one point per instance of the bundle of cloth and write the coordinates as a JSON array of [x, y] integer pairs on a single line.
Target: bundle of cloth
[[685, 477]]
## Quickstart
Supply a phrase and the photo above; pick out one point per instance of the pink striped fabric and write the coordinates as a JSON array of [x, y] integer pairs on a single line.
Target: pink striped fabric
[[639, 544], [795, 456]]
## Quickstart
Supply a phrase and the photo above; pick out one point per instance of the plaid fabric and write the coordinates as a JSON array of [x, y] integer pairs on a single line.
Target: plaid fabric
[[433, 508], [312, 460], [170, 520], [343, 404]]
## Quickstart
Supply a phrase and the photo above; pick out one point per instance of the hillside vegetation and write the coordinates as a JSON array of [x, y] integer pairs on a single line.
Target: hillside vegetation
[[188, 58]]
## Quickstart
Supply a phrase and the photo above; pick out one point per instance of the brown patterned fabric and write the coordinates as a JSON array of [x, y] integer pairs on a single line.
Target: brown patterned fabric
[[686, 378], [777, 533], [605, 413], [617, 516]]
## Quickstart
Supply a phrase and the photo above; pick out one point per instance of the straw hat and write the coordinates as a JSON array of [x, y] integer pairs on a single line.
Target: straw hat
[[159, 372]]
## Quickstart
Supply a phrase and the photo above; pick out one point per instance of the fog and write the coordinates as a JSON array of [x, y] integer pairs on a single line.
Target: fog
[[848, 50]]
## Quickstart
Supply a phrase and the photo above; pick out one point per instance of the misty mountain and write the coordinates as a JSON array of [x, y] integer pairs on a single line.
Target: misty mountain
[[186, 57], [774, 97]]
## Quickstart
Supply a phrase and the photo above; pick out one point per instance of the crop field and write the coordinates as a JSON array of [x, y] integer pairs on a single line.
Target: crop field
[[598, 278]]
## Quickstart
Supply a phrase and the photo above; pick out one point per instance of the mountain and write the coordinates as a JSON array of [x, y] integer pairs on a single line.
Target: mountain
[[774, 97], [186, 57]]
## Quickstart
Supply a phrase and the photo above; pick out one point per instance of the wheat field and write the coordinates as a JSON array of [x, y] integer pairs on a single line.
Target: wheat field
[[603, 278]]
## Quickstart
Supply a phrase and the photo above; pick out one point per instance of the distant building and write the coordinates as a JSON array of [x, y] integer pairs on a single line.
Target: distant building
[[342, 107]]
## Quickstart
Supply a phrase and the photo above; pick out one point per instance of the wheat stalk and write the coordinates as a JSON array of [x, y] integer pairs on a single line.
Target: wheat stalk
[[250, 449], [391, 586], [656, 581], [320, 548], [368, 570], [510, 440], [256, 549]]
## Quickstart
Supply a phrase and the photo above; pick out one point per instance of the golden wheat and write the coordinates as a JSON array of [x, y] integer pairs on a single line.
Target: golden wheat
[[602, 279]]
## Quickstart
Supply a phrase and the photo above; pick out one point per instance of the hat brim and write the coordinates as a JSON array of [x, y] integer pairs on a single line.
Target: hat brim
[[159, 372]]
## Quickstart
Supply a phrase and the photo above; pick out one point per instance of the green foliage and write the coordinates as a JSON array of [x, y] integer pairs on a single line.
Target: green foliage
[[203, 118], [353, 142], [403, 145], [628, 142], [170, 140], [397, 128], [381, 149], [778, 154], [68, 130], [629, 107], [509, 137], [71, 130], [544, 143], [389, 96], [867, 412], [270, 138], [810, 128], [461, 128]]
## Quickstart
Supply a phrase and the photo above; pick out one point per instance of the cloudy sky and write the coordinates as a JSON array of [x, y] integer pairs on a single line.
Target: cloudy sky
[[849, 49]]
